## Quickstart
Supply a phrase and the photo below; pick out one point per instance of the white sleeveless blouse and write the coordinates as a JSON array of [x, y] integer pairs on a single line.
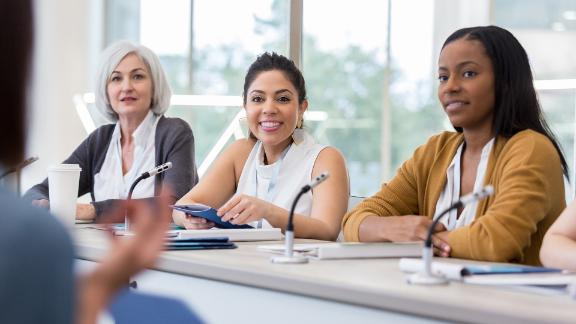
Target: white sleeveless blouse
[[279, 182]]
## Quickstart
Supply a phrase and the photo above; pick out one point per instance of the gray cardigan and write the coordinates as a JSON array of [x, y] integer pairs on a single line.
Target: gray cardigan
[[174, 143]]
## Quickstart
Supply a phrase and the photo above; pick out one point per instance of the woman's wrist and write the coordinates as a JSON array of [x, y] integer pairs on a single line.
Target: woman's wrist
[[178, 218], [385, 226], [85, 211], [276, 216]]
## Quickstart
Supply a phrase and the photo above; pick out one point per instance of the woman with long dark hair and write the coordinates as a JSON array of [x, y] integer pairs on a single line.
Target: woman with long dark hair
[[486, 90]]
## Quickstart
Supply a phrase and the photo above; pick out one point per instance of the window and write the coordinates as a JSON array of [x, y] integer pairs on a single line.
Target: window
[[344, 60], [205, 47], [370, 66], [547, 30]]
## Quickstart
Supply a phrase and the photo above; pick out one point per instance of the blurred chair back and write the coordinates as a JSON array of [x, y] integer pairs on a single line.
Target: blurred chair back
[[352, 202]]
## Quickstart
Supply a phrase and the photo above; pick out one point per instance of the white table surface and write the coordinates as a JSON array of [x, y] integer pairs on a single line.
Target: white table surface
[[371, 284]]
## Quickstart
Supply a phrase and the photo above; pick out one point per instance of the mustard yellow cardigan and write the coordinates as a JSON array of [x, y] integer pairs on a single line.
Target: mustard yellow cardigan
[[526, 173]]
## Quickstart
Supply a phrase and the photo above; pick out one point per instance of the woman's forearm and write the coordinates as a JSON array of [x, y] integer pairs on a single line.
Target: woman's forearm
[[372, 229], [304, 226]]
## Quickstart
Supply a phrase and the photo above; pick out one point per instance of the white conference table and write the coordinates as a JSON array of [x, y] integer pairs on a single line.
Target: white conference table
[[242, 286]]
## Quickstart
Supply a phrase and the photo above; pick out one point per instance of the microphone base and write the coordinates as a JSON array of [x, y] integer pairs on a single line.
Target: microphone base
[[295, 259], [571, 289], [422, 278]]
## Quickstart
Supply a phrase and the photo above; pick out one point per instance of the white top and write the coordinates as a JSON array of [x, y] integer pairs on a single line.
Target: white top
[[279, 182], [451, 192], [109, 183]]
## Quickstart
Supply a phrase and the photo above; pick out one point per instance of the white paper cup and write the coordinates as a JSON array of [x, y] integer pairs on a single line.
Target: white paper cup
[[63, 185]]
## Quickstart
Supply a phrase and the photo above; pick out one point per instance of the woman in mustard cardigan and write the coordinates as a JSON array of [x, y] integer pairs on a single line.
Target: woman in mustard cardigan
[[501, 139]]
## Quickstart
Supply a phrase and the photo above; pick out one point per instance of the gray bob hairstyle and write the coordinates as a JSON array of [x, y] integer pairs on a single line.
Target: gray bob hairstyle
[[110, 59]]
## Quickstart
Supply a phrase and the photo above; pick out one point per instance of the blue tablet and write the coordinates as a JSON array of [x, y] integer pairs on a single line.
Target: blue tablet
[[179, 245], [505, 269], [207, 212]]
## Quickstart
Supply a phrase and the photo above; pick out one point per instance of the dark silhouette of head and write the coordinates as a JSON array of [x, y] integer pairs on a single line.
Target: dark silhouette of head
[[16, 33]]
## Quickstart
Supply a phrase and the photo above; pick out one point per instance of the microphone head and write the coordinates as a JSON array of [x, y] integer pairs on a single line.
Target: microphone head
[[464, 200], [484, 192], [487, 191], [319, 179], [159, 169], [27, 162], [163, 168], [477, 195]]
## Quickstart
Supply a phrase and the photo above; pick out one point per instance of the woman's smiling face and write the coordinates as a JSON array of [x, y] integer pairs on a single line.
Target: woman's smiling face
[[466, 84], [272, 108]]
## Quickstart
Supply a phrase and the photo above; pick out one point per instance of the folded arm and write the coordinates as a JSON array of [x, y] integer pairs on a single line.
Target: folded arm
[[529, 189], [559, 246]]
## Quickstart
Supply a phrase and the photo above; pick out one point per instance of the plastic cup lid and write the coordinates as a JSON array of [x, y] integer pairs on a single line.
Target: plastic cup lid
[[65, 167]]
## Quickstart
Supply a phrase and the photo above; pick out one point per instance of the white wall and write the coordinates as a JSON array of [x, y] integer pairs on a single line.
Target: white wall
[[62, 66]]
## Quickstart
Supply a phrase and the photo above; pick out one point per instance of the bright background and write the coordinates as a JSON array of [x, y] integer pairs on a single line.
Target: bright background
[[370, 66]]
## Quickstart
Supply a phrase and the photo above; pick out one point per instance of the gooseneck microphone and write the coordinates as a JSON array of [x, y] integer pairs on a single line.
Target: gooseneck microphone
[[159, 169], [20, 166], [288, 256], [426, 277], [17, 170]]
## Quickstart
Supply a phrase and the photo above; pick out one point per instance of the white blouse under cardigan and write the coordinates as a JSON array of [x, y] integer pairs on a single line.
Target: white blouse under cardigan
[[110, 183], [451, 192]]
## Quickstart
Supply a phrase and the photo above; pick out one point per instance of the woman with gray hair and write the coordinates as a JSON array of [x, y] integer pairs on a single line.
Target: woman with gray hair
[[133, 93]]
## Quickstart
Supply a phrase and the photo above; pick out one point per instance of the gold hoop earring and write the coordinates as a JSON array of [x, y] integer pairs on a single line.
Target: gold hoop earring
[[298, 133], [299, 124]]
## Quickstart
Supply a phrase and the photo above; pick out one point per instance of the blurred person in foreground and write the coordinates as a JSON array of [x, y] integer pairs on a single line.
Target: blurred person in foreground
[[37, 281]]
